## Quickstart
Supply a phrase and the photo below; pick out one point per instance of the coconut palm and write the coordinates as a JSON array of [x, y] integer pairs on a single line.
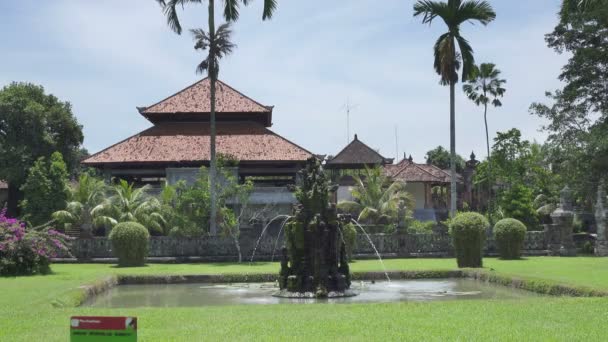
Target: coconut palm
[[84, 204], [447, 60], [486, 87], [130, 204], [377, 199], [210, 64]]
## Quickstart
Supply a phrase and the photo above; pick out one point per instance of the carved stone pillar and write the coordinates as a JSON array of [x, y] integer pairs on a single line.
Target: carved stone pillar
[[601, 214], [562, 219]]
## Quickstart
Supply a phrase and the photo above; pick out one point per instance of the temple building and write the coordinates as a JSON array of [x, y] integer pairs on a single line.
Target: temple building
[[178, 143], [428, 184]]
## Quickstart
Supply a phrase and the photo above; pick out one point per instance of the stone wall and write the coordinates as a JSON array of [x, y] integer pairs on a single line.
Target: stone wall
[[224, 249]]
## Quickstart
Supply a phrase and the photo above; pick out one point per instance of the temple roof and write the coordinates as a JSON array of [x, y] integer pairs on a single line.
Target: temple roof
[[357, 154], [192, 104], [408, 171], [190, 143]]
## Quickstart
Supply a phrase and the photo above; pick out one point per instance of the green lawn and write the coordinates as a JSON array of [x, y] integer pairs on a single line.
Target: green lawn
[[26, 313]]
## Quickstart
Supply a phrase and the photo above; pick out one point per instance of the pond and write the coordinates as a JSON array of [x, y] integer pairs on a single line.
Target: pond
[[194, 295]]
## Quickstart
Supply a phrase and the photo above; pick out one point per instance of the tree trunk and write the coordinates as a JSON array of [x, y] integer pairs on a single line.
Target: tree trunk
[[212, 162], [453, 192], [485, 120], [12, 203]]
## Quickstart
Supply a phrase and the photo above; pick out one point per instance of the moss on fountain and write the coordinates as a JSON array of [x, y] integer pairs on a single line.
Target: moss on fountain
[[314, 261]]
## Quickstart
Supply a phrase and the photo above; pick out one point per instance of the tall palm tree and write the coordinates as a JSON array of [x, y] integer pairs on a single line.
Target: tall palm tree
[[448, 60], [486, 87], [231, 14]]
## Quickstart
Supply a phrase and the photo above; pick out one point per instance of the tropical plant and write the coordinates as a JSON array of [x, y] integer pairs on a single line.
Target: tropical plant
[[377, 199], [448, 60], [441, 158], [85, 203], [130, 243], [517, 203], [218, 44], [45, 190], [130, 204], [486, 87], [468, 232], [510, 235]]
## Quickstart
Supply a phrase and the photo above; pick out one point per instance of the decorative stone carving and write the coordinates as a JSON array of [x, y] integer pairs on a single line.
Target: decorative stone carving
[[562, 226], [601, 214]]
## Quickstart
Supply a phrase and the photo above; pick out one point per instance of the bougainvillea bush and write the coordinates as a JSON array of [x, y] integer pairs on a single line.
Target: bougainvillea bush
[[26, 251]]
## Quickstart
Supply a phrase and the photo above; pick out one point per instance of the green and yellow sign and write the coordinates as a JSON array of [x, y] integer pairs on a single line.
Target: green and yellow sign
[[103, 329]]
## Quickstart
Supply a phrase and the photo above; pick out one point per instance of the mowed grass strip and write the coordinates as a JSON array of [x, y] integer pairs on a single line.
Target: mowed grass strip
[[27, 314]]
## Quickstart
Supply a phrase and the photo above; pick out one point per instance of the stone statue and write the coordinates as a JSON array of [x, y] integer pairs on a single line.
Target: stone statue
[[313, 262], [562, 226]]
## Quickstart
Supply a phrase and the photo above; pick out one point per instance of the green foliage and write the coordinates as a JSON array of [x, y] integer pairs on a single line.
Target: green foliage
[[468, 232], [440, 157], [130, 204], [187, 207], [517, 202], [85, 203], [349, 232], [576, 114], [130, 243], [45, 190], [420, 227], [510, 235], [34, 125], [377, 199]]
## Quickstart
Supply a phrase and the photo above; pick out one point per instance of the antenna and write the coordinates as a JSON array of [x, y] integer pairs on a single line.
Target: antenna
[[396, 142], [348, 106]]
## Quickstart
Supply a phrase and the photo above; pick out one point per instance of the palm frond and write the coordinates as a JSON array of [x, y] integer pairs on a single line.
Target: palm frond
[[231, 10], [269, 7], [468, 60], [480, 11], [429, 10], [170, 10]]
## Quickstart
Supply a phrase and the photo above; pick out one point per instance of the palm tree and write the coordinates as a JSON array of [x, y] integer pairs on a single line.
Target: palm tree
[[448, 60], [129, 204], [484, 85], [377, 199], [84, 204], [212, 39]]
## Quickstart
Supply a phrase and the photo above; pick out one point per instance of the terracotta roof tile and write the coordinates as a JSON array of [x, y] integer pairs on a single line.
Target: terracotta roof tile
[[189, 142], [409, 171], [357, 152], [195, 99]]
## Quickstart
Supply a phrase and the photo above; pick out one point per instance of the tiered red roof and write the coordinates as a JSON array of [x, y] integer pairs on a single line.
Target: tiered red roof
[[181, 133]]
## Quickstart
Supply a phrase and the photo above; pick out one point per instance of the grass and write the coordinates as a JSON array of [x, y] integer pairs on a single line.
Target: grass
[[27, 313]]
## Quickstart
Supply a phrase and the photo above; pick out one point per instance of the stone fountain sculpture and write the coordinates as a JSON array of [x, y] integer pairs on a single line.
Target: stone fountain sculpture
[[601, 215], [314, 261]]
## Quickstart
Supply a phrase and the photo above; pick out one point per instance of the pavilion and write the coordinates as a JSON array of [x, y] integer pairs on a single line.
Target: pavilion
[[178, 143]]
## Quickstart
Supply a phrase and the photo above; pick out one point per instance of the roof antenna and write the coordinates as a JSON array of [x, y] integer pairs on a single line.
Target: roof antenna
[[396, 142], [348, 106]]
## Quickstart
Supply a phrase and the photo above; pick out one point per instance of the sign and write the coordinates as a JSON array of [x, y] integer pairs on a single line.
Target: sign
[[103, 329]]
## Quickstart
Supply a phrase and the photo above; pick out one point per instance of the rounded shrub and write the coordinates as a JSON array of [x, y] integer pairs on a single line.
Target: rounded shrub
[[130, 243], [509, 234], [468, 232]]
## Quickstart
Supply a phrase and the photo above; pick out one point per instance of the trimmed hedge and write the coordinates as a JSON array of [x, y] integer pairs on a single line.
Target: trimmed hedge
[[130, 243], [468, 232], [509, 234]]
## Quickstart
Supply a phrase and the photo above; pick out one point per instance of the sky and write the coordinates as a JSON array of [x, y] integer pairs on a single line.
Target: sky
[[107, 57]]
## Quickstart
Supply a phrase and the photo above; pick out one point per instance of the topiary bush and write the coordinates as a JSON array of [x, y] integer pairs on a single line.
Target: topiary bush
[[130, 243], [509, 234], [468, 232]]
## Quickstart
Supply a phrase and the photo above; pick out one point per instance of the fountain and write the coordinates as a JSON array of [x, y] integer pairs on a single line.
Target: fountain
[[314, 262]]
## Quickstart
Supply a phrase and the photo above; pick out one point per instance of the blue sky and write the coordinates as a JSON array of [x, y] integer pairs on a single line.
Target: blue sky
[[108, 56]]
